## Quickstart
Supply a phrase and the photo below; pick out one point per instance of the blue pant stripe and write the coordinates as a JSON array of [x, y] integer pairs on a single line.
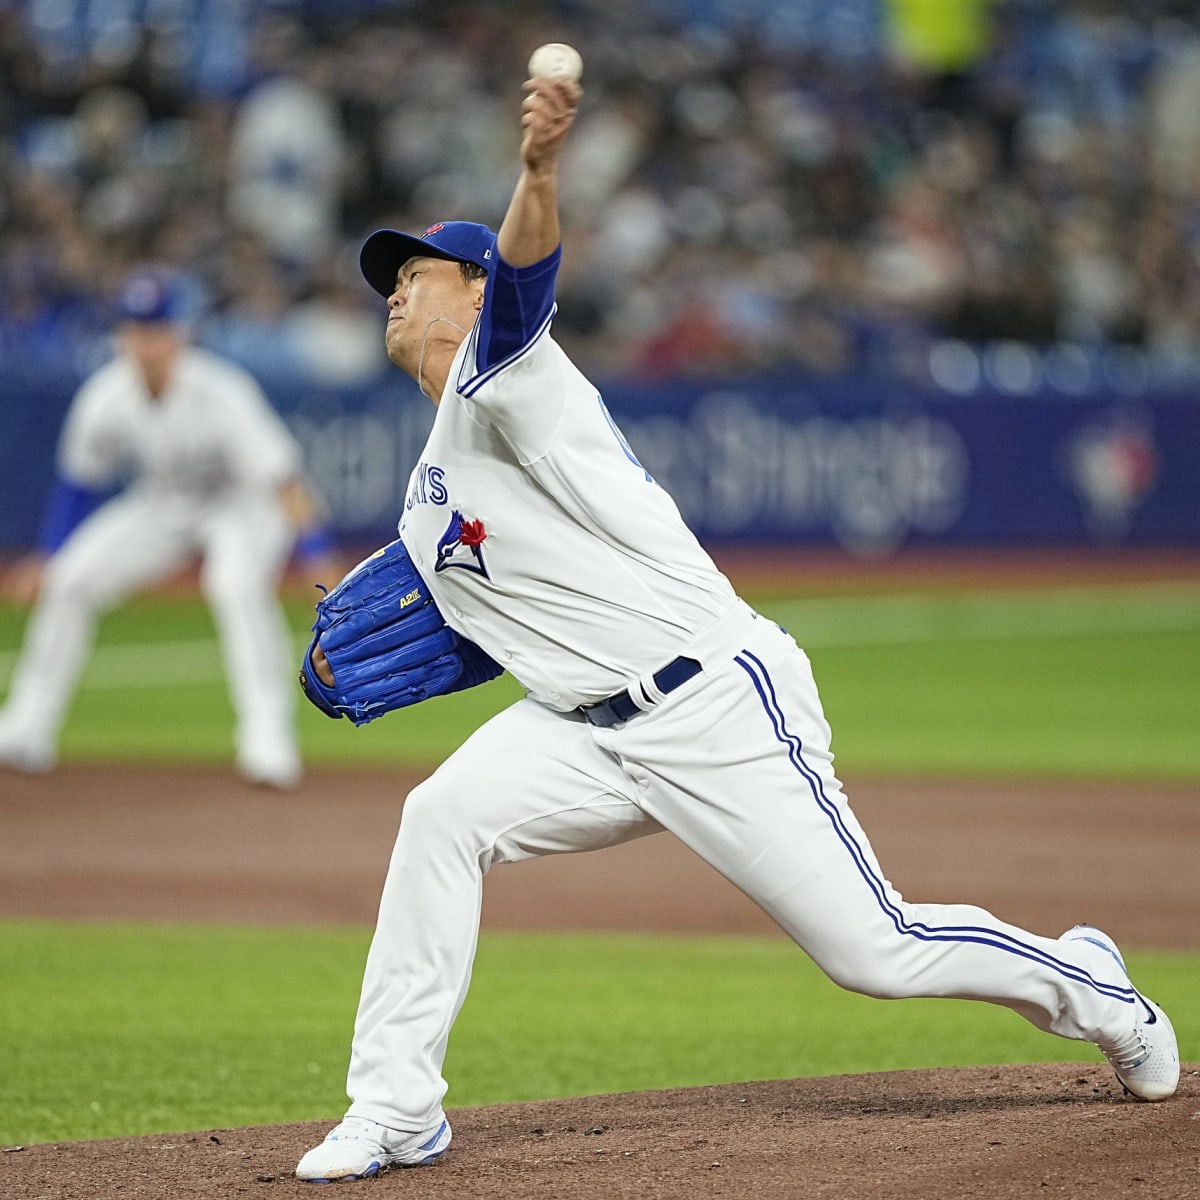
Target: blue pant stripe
[[997, 939]]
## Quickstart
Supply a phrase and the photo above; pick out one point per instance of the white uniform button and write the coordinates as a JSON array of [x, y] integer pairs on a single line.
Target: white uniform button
[[458, 612], [507, 656], [555, 696]]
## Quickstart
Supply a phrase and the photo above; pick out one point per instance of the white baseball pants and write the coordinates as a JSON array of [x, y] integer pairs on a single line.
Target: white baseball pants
[[736, 763]]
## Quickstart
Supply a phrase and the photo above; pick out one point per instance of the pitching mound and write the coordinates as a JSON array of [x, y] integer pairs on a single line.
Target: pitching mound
[[994, 1132]]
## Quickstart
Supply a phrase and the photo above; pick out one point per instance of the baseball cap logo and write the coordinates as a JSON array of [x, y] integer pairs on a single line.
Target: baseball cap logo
[[434, 229]]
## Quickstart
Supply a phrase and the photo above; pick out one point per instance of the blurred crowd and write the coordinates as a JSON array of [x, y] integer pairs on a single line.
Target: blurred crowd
[[751, 186]]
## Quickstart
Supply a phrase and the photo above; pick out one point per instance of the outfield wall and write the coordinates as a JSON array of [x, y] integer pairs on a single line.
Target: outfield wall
[[859, 463]]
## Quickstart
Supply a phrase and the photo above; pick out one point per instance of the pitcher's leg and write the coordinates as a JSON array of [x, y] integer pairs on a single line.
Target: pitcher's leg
[[529, 782], [765, 808]]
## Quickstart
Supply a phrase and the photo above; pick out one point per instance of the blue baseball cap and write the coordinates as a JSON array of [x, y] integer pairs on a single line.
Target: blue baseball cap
[[387, 250], [151, 298]]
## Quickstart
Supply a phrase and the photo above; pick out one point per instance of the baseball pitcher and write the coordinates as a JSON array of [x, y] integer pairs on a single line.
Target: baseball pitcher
[[656, 698]]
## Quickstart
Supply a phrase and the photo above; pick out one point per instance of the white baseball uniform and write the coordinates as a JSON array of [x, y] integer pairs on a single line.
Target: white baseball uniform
[[203, 463], [544, 540]]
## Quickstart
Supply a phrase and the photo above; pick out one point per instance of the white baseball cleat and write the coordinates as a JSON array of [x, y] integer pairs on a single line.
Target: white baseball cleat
[[1147, 1062], [359, 1149]]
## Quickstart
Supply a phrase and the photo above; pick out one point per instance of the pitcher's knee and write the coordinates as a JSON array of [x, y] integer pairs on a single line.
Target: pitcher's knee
[[878, 974], [424, 808], [434, 815], [437, 840]]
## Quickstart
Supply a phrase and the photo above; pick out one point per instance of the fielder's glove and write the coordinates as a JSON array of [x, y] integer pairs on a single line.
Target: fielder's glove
[[386, 643]]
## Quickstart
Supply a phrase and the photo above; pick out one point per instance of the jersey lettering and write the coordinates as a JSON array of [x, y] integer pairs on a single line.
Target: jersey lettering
[[428, 487]]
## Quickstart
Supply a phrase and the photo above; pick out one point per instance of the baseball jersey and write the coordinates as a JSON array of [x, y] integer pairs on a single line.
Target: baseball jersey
[[541, 536], [210, 435]]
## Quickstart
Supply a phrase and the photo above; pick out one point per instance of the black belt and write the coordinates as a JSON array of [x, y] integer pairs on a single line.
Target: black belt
[[621, 707]]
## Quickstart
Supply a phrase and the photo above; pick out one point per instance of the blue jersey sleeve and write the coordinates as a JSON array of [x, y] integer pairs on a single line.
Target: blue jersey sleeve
[[70, 503], [517, 303]]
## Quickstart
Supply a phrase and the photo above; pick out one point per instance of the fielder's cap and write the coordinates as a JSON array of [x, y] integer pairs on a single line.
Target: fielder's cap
[[387, 250], [151, 297]]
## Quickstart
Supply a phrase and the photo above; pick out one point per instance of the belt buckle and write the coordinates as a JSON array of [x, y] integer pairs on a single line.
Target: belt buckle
[[622, 707]]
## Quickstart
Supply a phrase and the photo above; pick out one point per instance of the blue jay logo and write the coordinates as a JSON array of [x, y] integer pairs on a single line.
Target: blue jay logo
[[462, 546]]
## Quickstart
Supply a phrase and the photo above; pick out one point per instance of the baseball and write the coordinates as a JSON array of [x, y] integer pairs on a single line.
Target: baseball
[[555, 60]]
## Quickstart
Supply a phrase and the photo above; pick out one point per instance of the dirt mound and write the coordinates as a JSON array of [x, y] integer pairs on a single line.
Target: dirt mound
[[994, 1132]]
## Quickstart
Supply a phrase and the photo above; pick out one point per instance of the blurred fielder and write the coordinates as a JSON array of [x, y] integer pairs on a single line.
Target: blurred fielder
[[211, 471], [657, 699]]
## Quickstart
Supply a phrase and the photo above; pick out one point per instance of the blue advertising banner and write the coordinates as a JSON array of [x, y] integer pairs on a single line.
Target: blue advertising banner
[[853, 462], [872, 468]]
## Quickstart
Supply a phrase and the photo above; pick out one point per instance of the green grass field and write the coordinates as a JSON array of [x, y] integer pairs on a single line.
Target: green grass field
[[1082, 682], [120, 1029], [123, 1029]]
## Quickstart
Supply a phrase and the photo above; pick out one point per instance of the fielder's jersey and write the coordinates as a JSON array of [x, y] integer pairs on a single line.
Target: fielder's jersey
[[543, 539], [211, 435]]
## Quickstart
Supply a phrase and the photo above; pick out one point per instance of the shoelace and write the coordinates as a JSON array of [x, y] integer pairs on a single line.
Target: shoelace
[[1131, 1056]]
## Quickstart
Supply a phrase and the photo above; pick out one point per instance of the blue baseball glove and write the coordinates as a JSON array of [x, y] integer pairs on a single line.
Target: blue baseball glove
[[387, 643]]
